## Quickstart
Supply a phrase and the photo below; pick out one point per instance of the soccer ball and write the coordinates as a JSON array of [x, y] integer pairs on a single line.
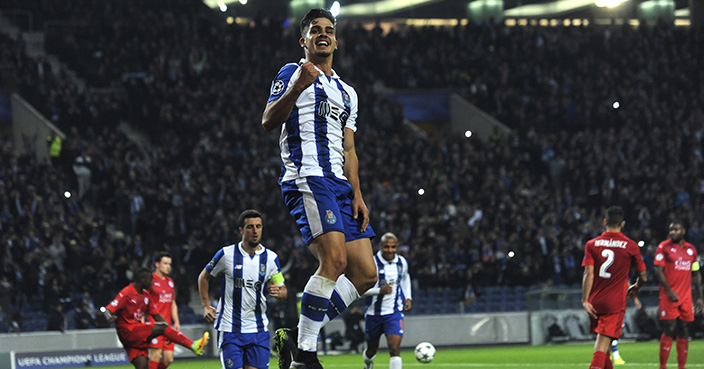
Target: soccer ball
[[425, 352]]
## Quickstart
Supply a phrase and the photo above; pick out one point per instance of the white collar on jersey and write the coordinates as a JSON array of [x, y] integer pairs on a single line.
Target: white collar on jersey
[[245, 253], [334, 74]]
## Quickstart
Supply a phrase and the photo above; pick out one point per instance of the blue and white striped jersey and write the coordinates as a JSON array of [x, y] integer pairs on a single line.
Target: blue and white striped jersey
[[395, 273], [311, 137], [242, 304]]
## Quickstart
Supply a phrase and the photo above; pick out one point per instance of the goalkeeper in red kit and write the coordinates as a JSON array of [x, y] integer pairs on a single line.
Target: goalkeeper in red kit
[[128, 310], [607, 262]]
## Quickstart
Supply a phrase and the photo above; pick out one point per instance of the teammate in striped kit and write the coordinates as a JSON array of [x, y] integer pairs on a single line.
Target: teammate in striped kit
[[163, 295], [317, 114], [240, 318], [386, 303]]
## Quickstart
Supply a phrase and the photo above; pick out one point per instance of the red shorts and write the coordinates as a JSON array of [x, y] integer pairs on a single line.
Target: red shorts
[[161, 343], [609, 325], [134, 339], [683, 309]]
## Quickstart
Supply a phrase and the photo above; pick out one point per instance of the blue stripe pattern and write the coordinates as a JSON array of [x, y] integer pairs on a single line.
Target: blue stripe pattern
[[237, 292], [337, 305], [258, 304], [314, 307], [322, 110], [381, 273]]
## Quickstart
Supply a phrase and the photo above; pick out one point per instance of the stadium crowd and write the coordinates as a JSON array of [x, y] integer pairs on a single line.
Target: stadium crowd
[[515, 210]]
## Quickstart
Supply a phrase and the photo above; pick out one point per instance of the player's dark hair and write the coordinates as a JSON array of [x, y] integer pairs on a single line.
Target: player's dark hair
[[249, 213], [677, 221], [614, 216], [160, 255], [141, 273], [313, 14]]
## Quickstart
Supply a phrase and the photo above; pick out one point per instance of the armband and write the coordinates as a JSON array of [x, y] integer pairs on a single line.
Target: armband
[[277, 279], [695, 266]]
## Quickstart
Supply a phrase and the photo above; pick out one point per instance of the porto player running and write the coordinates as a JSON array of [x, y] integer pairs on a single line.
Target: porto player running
[[676, 267], [607, 262], [127, 310], [162, 292]]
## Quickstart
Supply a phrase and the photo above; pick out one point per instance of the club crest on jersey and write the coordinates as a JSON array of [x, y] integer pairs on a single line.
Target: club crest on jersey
[[277, 87], [262, 269], [330, 217], [146, 300], [171, 284], [690, 252], [346, 98], [659, 257]]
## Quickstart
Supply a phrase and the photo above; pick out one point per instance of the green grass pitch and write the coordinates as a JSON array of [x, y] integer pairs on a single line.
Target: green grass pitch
[[638, 355]]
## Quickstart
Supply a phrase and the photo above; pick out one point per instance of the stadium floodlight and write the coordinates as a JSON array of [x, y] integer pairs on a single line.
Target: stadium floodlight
[[335, 9], [223, 7], [608, 3]]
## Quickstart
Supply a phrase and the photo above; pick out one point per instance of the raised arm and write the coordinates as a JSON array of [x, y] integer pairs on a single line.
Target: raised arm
[[277, 111]]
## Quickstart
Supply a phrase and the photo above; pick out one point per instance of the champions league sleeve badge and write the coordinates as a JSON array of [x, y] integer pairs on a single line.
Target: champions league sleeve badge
[[277, 87]]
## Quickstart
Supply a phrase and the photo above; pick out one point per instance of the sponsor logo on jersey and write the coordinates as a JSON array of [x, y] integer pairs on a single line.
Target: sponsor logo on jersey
[[683, 265]]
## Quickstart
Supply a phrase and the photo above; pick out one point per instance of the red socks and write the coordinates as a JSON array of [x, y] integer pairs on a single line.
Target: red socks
[[682, 347], [608, 364], [599, 360], [177, 337], [157, 365], [665, 346]]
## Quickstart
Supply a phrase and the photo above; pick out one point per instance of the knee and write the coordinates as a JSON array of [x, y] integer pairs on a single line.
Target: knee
[[336, 264], [168, 360], [369, 281]]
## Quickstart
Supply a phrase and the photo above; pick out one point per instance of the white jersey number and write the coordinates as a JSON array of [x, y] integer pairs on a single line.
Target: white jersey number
[[609, 255]]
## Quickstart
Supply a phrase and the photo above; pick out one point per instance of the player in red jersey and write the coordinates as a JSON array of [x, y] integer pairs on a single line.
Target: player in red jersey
[[607, 262], [127, 311], [676, 267], [162, 292]]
